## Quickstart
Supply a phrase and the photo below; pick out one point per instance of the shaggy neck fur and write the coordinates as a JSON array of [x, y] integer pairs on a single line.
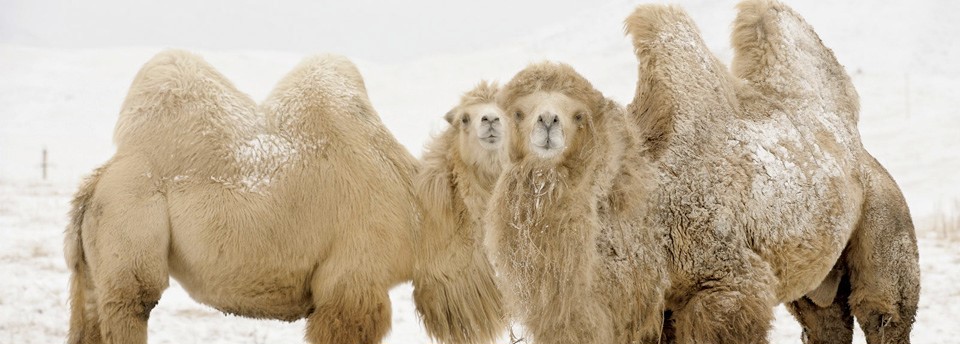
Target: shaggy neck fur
[[455, 290], [563, 239]]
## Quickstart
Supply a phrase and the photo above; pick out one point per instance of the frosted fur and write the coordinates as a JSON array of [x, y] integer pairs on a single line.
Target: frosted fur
[[565, 231], [302, 207], [766, 193], [455, 291]]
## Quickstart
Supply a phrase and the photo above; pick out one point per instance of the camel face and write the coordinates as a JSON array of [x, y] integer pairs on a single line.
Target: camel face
[[481, 123], [551, 120]]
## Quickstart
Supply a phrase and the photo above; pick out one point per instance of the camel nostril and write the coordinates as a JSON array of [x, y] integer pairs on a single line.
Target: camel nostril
[[548, 119]]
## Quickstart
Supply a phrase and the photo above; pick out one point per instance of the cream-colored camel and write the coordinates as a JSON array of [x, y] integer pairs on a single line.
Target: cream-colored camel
[[765, 187], [565, 223], [302, 207], [454, 281]]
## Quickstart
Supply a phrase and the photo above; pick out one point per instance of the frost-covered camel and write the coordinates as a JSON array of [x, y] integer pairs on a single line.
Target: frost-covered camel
[[454, 281], [761, 194], [565, 222], [766, 194], [302, 207]]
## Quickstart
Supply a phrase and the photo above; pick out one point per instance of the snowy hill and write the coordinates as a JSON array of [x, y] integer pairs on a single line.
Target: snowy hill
[[902, 56]]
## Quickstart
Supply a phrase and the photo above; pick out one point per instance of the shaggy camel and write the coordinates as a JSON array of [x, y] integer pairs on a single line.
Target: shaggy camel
[[454, 282], [565, 223], [762, 194], [302, 207], [767, 194]]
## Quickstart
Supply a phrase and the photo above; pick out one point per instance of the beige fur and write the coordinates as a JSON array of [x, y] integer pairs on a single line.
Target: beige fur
[[302, 207], [455, 289], [765, 185], [564, 225]]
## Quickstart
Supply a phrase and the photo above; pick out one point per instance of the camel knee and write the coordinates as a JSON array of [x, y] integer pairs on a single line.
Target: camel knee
[[350, 316], [886, 321], [885, 291], [124, 309]]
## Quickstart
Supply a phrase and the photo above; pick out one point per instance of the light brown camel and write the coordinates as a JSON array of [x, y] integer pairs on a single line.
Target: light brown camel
[[766, 193], [565, 224], [454, 281], [762, 193]]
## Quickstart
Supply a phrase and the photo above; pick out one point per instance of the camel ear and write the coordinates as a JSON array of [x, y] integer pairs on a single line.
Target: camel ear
[[449, 116]]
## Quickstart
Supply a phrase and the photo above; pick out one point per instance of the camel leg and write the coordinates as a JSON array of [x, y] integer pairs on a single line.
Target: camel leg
[[884, 263], [350, 305], [832, 324], [126, 243], [732, 308]]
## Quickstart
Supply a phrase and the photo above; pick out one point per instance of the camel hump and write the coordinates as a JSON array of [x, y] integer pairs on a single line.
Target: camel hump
[[179, 104], [777, 51], [680, 80], [669, 49], [317, 92]]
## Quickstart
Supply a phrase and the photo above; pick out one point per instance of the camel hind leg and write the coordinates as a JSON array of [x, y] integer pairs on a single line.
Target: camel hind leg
[[883, 262], [126, 246], [828, 324]]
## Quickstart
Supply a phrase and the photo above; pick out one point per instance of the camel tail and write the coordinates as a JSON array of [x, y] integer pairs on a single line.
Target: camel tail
[[81, 321]]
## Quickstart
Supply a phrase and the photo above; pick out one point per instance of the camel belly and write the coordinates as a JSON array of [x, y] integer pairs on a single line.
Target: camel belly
[[282, 295], [243, 261]]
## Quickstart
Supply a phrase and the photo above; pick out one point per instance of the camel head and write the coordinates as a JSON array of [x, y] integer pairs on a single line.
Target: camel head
[[479, 125], [552, 110]]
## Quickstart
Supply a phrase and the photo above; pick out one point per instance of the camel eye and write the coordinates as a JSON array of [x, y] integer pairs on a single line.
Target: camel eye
[[518, 114], [579, 117], [466, 119]]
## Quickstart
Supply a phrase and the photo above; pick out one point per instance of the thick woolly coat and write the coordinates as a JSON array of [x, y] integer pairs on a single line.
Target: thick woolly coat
[[568, 239], [765, 187], [300, 207], [455, 289]]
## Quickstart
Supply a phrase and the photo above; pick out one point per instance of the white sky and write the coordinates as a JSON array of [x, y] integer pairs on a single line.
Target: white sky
[[381, 31]]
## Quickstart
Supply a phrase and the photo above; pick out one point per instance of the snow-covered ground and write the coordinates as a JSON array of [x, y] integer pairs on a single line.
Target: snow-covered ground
[[902, 56]]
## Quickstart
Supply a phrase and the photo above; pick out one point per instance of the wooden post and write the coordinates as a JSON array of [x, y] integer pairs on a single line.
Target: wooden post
[[43, 165]]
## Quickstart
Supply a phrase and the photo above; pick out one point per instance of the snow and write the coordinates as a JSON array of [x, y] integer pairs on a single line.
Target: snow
[[900, 55], [260, 157]]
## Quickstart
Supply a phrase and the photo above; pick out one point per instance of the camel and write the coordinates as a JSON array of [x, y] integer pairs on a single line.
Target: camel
[[301, 207], [766, 194], [565, 225], [761, 193], [454, 282]]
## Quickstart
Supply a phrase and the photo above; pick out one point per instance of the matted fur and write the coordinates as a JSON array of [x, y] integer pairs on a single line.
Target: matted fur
[[567, 236], [765, 185], [302, 207], [455, 291]]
